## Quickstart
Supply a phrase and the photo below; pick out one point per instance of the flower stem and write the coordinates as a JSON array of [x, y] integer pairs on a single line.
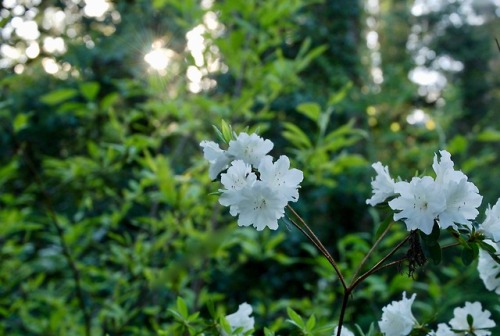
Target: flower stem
[[377, 242], [306, 230], [345, 300], [378, 265]]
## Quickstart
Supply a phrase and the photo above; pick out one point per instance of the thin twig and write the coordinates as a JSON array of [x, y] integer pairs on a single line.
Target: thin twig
[[320, 246], [378, 264], [345, 299], [377, 242]]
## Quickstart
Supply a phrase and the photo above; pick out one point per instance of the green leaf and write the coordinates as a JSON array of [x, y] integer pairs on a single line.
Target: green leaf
[[432, 238], [89, 90], [468, 255], [458, 144], [268, 332], [430, 244], [225, 325], [219, 133], [211, 308], [310, 110], [434, 252], [109, 100], [182, 307], [340, 95], [227, 132], [295, 318], [489, 136], [166, 180], [58, 96], [296, 136], [470, 320], [311, 323], [20, 121]]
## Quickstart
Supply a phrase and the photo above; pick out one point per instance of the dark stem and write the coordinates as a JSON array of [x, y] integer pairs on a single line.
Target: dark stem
[[379, 264], [319, 245], [345, 299], [65, 248], [377, 242]]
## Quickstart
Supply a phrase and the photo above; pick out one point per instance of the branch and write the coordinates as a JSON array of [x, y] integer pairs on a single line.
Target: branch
[[319, 245], [371, 250]]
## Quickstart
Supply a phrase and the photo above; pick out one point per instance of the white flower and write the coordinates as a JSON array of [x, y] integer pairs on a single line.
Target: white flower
[[397, 318], [462, 197], [480, 320], [382, 185], [442, 330], [279, 177], [462, 201], [218, 158], [489, 269], [343, 332], [419, 202], [237, 177], [491, 225], [444, 169], [260, 206], [249, 148], [241, 319]]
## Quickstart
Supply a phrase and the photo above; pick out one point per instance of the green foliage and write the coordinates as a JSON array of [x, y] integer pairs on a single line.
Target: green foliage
[[108, 220]]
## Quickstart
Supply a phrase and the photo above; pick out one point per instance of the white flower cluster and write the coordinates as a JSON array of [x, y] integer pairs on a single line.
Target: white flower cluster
[[489, 269], [459, 324], [491, 225], [398, 320], [241, 319], [448, 198], [256, 188]]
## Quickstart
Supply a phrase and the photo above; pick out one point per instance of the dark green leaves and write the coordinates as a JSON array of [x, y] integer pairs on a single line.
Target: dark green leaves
[[430, 244]]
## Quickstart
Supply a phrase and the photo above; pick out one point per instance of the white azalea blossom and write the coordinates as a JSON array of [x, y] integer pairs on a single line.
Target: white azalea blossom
[[260, 206], [280, 177], [444, 169], [489, 269], [419, 203], [462, 201], [256, 189], [442, 330], [249, 148], [343, 332], [491, 225], [462, 197], [241, 319], [237, 177], [382, 185], [481, 320], [397, 318], [218, 158]]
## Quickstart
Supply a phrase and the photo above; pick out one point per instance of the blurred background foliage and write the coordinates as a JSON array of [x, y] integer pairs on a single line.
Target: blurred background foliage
[[105, 212]]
